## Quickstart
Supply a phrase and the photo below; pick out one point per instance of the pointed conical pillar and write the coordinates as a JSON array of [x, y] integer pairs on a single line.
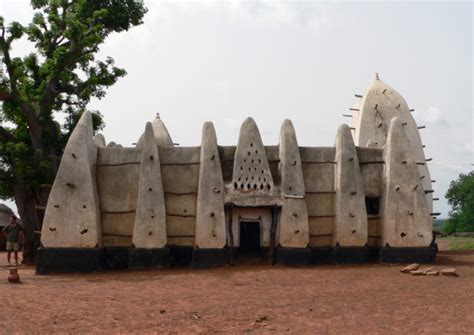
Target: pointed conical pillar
[[71, 233], [294, 230], [406, 228], [350, 224], [162, 136], [99, 140], [210, 234], [149, 232], [371, 121], [251, 172]]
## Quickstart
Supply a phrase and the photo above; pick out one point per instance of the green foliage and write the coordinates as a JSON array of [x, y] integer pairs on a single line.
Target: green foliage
[[438, 224], [460, 196], [61, 76]]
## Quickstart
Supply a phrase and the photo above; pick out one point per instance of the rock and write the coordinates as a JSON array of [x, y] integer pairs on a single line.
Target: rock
[[449, 272], [260, 319], [417, 272], [411, 267], [426, 270], [432, 273]]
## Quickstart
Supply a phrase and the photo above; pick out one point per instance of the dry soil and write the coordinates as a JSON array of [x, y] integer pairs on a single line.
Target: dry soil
[[323, 299]]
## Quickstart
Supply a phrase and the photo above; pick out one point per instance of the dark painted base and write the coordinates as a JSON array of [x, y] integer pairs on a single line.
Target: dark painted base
[[180, 255], [264, 254], [374, 253], [209, 258], [350, 254], [86, 260], [116, 258], [293, 256], [408, 255], [321, 255], [148, 258], [63, 260]]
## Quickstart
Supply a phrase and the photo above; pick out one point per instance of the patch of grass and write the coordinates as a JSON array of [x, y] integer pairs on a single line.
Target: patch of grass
[[461, 245], [458, 243]]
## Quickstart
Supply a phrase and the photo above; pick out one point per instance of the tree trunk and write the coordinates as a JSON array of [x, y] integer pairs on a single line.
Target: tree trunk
[[26, 204]]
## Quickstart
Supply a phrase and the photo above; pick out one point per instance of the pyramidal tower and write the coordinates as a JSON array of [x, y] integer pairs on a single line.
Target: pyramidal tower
[[371, 117]]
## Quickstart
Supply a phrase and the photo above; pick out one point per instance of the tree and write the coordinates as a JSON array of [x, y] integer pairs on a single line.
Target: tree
[[460, 196], [62, 75]]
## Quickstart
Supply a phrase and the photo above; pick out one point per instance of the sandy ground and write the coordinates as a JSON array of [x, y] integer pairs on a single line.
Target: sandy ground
[[324, 299]]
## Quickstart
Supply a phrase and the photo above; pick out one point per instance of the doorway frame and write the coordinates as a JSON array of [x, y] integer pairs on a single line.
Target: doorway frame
[[275, 211]]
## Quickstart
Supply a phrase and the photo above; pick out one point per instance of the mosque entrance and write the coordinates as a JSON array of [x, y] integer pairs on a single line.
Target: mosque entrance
[[249, 238], [251, 233]]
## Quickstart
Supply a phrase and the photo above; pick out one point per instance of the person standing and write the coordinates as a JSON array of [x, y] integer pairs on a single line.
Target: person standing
[[12, 233]]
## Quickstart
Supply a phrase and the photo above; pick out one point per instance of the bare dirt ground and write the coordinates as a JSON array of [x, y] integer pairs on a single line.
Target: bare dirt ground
[[324, 299]]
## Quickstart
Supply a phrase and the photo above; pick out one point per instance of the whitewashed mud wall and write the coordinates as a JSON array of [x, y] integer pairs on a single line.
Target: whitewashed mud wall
[[158, 195]]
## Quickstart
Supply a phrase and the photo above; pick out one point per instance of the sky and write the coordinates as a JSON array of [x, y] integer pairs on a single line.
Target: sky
[[222, 61]]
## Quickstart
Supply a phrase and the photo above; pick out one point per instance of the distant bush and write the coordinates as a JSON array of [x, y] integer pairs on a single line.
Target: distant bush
[[460, 196], [438, 224]]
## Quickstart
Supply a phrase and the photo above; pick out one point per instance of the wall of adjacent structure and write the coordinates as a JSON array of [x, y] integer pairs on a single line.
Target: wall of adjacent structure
[[371, 168], [118, 175], [318, 171], [118, 179], [180, 174]]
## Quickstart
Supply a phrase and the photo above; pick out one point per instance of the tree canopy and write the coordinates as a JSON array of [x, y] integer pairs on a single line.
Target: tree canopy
[[460, 196], [61, 75]]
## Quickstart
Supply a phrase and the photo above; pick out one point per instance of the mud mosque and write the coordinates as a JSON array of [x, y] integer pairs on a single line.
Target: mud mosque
[[369, 197]]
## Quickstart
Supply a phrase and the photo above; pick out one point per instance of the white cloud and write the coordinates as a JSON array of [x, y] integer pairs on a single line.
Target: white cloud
[[306, 14], [433, 116]]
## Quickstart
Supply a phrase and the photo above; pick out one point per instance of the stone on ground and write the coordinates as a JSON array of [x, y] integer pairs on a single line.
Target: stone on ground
[[449, 272], [417, 272], [411, 267]]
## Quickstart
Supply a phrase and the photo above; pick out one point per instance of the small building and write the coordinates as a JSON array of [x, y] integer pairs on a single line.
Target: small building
[[5, 214], [157, 204]]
